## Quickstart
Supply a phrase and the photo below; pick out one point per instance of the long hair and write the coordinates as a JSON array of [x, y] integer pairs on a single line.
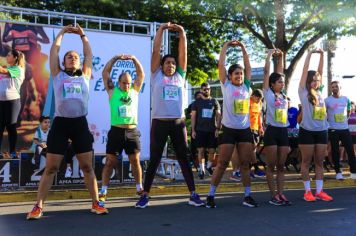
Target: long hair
[[19, 58], [312, 96]]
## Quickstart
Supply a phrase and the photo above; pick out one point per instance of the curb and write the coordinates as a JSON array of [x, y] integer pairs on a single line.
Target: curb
[[177, 189]]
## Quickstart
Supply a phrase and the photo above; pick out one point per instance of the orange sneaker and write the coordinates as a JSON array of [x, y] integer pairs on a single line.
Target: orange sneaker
[[99, 210], [35, 214], [308, 196], [323, 196]]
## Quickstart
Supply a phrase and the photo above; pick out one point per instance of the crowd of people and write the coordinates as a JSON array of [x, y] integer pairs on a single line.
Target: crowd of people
[[236, 128]]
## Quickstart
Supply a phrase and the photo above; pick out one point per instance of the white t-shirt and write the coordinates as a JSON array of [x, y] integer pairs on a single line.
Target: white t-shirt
[[336, 109], [236, 105], [41, 136]]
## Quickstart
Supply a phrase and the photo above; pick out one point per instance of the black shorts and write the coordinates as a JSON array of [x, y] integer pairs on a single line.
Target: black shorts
[[64, 128], [256, 137], [276, 136], [353, 139], [206, 140], [234, 136], [120, 139], [312, 137]]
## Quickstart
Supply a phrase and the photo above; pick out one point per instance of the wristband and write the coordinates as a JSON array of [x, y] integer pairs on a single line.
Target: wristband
[[83, 35]]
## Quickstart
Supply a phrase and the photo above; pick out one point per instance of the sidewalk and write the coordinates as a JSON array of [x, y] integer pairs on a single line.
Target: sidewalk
[[169, 187]]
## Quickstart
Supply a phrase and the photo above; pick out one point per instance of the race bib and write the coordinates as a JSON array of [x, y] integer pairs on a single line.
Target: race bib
[[72, 90], [125, 111], [207, 113], [171, 93], [319, 113], [281, 115], [339, 118], [241, 106]]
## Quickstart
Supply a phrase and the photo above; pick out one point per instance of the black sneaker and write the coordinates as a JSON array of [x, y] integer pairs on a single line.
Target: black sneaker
[[210, 171], [276, 201], [210, 203], [248, 201]]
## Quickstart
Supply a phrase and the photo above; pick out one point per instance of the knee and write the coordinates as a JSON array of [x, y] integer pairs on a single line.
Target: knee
[[223, 164], [86, 168], [51, 170]]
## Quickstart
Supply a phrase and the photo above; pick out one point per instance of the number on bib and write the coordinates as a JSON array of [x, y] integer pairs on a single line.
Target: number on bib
[[170, 93], [207, 113], [280, 116], [339, 118], [319, 113], [72, 90], [241, 106]]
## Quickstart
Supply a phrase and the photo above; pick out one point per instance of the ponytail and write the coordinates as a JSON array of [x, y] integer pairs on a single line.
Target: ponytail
[[19, 58]]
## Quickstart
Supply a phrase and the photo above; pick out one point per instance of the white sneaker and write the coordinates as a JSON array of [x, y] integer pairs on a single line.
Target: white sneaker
[[68, 173], [339, 176], [353, 175]]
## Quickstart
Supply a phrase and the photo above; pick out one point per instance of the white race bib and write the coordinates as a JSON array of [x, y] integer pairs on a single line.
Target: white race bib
[[73, 90], [125, 111], [171, 93], [207, 113]]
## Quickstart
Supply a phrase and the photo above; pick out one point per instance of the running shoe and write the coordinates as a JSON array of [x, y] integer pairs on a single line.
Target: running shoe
[[195, 200], [102, 196], [285, 201], [68, 173], [309, 197], [259, 173], [210, 203], [323, 196], [276, 201], [353, 175], [210, 171], [142, 202], [201, 174], [252, 176], [98, 209], [35, 214], [339, 176], [236, 176], [250, 202]]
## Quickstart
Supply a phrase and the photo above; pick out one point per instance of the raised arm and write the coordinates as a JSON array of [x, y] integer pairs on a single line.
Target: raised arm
[[88, 55], [246, 59], [106, 74], [182, 47], [222, 61], [157, 43], [280, 65], [303, 79], [53, 56], [321, 64], [140, 75], [266, 71]]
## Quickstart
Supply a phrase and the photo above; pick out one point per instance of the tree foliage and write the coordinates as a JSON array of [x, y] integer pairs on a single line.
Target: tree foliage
[[291, 25]]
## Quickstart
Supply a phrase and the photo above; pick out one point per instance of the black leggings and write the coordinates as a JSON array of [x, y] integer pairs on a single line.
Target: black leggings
[[9, 111], [160, 131], [335, 136]]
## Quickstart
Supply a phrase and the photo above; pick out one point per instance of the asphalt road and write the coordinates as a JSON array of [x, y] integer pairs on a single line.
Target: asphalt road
[[170, 215]]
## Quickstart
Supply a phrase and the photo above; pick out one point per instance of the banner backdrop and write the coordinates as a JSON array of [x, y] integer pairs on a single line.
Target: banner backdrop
[[36, 41]]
